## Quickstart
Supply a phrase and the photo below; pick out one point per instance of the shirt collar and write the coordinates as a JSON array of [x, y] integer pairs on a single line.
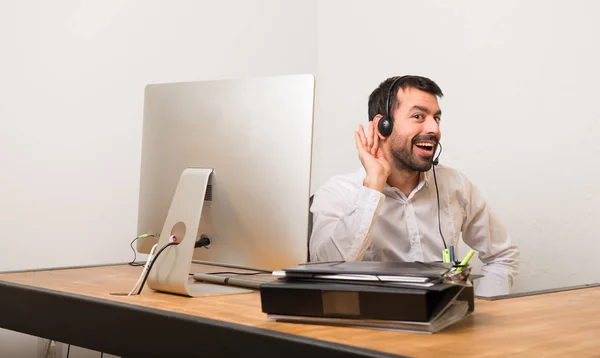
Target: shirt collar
[[426, 176], [424, 179]]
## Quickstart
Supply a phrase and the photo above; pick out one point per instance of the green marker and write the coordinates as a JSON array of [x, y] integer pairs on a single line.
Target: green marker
[[466, 260], [446, 256]]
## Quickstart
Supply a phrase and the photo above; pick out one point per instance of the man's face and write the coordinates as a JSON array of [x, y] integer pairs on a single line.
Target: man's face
[[416, 130]]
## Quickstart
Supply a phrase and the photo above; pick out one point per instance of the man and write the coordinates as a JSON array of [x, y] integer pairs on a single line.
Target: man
[[388, 210]]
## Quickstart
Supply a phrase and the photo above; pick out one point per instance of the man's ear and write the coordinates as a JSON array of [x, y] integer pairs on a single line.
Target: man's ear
[[376, 120]]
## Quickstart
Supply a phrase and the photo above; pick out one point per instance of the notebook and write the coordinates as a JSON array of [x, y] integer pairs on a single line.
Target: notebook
[[387, 271]]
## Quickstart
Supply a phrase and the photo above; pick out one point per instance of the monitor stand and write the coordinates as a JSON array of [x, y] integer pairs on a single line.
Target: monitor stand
[[171, 271]]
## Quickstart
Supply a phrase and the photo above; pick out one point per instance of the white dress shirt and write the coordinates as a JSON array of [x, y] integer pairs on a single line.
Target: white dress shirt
[[352, 222]]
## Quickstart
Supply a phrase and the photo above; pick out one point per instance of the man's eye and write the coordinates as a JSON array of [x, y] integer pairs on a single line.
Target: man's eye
[[438, 119], [418, 116]]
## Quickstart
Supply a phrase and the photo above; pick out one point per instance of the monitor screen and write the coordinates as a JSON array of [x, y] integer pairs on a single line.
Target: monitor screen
[[256, 136]]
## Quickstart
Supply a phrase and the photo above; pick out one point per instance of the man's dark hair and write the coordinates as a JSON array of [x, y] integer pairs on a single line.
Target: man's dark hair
[[379, 97]]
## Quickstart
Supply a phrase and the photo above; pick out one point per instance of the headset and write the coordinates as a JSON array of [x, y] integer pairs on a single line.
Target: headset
[[437, 193], [386, 126], [386, 123]]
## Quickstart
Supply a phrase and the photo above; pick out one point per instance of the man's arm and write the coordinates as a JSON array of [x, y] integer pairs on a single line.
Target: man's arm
[[484, 232], [344, 212], [343, 217]]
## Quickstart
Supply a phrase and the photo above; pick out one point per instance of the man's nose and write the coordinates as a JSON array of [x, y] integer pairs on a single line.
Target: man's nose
[[432, 126]]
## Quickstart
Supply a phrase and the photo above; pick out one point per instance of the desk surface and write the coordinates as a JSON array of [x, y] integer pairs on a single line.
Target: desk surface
[[555, 324]]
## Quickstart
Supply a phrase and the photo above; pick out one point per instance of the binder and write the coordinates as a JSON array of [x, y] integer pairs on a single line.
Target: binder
[[300, 297]]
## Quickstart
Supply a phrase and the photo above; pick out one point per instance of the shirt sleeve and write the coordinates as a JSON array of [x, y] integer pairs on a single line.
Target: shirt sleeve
[[484, 232], [343, 218]]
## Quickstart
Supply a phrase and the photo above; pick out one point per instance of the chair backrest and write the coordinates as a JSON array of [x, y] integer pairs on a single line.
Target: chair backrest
[[310, 226]]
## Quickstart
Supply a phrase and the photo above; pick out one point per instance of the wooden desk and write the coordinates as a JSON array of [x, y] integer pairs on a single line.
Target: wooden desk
[[75, 306]]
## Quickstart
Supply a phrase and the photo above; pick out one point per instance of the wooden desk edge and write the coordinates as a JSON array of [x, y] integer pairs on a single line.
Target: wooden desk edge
[[131, 330], [57, 268], [538, 292], [491, 298]]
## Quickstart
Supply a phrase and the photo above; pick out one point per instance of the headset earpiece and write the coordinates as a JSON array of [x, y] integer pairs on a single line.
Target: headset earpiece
[[385, 126], [386, 123]]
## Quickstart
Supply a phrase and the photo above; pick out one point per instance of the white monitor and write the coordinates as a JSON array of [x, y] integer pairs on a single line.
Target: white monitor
[[254, 137]]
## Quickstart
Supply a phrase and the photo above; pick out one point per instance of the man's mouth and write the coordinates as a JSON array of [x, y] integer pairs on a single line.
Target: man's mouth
[[425, 147]]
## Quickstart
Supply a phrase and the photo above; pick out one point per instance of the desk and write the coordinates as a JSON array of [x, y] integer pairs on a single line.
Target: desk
[[75, 306]]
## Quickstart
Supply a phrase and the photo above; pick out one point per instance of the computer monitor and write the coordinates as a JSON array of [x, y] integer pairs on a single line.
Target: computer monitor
[[249, 142]]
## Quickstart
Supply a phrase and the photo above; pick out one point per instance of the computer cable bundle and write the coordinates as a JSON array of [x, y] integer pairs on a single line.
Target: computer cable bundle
[[150, 262], [145, 270], [153, 261], [133, 262]]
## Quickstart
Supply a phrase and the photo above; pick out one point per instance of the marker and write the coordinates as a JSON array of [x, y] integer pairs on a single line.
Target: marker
[[446, 256], [452, 254], [466, 260]]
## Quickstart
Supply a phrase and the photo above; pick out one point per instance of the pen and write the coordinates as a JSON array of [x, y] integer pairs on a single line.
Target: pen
[[465, 261], [452, 254]]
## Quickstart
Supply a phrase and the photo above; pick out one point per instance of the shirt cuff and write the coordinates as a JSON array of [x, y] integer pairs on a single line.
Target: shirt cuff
[[369, 199]]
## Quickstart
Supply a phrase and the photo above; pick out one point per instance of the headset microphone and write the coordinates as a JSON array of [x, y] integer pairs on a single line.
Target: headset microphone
[[437, 158]]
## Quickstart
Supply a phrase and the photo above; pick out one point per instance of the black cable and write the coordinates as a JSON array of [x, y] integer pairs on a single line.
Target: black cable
[[101, 354], [237, 273], [202, 242], [48, 348], [437, 192], [205, 241], [152, 264], [68, 350], [133, 263], [208, 263]]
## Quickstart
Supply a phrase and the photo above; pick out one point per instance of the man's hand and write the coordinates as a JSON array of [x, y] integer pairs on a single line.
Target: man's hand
[[372, 158]]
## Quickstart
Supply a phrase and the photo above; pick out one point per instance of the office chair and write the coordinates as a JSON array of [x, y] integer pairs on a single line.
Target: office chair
[[310, 226]]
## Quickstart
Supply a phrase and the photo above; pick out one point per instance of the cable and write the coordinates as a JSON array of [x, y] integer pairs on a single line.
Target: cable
[[101, 354], [208, 263], [133, 263], [202, 242], [152, 263], [437, 192], [48, 348], [145, 270], [238, 273]]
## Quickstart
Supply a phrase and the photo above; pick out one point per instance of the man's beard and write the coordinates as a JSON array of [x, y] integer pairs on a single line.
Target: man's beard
[[405, 159]]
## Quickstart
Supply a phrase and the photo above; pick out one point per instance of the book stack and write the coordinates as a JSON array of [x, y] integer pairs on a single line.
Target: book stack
[[409, 296]]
